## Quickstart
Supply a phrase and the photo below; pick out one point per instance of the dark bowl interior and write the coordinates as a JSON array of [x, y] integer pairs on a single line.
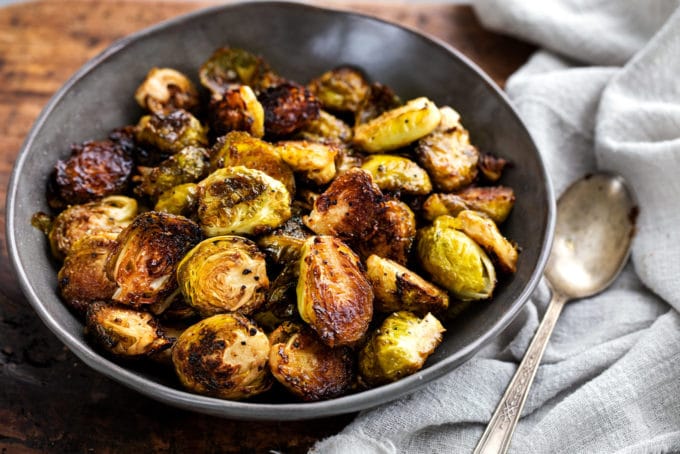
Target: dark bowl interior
[[300, 42]]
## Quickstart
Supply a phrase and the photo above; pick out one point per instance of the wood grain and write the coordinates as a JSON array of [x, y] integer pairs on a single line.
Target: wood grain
[[49, 400]]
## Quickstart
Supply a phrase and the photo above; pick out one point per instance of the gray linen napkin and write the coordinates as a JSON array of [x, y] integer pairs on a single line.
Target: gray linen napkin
[[604, 94]]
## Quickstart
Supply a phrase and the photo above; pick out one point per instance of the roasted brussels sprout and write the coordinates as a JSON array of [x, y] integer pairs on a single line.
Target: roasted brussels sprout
[[124, 331], [186, 166], [349, 207], [165, 90], [223, 356], [494, 201], [172, 132], [485, 232], [455, 260], [242, 201], [109, 216], [146, 255], [398, 127], [347, 159], [313, 161], [450, 119], [94, 170], [82, 278], [333, 295], [327, 129], [182, 200], [449, 158], [307, 367], [241, 149], [288, 107], [491, 167], [284, 244], [396, 288], [228, 67], [395, 233], [237, 110], [397, 174], [399, 347], [341, 89], [223, 274], [380, 99]]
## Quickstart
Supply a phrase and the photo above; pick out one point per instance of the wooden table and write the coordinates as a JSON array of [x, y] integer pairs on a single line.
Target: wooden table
[[49, 400]]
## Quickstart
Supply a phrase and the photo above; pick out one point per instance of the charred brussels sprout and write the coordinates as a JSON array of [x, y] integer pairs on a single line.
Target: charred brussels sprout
[[398, 127], [396, 173], [349, 207], [223, 274], [396, 288], [315, 162], [180, 200], [380, 99], [449, 158], [172, 132], [333, 295], [82, 278], [395, 233], [237, 110], [494, 201], [229, 67], [242, 201], [455, 260], [341, 89], [307, 367], [124, 331], [93, 170], [327, 129], [399, 347], [287, 108], [491, 167], [107, 216], [241, 149], [187, 166], [145, 259], [223, 356], [165, 90], [284, 244]]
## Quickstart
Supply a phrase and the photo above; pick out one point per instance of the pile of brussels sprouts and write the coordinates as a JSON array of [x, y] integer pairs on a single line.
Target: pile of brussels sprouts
[[273, 234]]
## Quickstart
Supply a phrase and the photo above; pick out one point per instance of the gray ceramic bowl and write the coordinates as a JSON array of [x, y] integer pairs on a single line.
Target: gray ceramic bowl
[[301, 42]]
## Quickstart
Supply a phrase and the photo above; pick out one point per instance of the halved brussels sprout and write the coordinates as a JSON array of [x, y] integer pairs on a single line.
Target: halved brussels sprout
[[284, 244], [307, 367], [455, 261], [340, 89], [399, 347], [223, 274], [172, 132], [380, 99], [82, 278], [327, 129], [223, 356], [449, 158], [241, 149], [349, 207], [145, 259], [395, 233], [288, 107], [397, 173], [180, 200], [166, 89], [396, 288], [186, 166], [333, 295], [491, 167], [485, 232], [242, 201], [237, 110], [313, 161], [94, 170], [109, 215], [124, 331], [494, 201], [398, 127], [228, 67]]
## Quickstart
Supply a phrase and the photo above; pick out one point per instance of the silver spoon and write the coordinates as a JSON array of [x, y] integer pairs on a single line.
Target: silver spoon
[[593, 233]]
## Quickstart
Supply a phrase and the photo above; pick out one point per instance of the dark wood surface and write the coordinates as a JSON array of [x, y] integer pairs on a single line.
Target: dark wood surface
[[49, 400]]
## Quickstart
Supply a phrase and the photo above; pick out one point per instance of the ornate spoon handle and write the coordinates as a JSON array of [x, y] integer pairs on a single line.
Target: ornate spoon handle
[[498, 434]]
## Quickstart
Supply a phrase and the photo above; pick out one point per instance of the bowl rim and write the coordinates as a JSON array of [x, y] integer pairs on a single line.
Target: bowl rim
[[252, 410]]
